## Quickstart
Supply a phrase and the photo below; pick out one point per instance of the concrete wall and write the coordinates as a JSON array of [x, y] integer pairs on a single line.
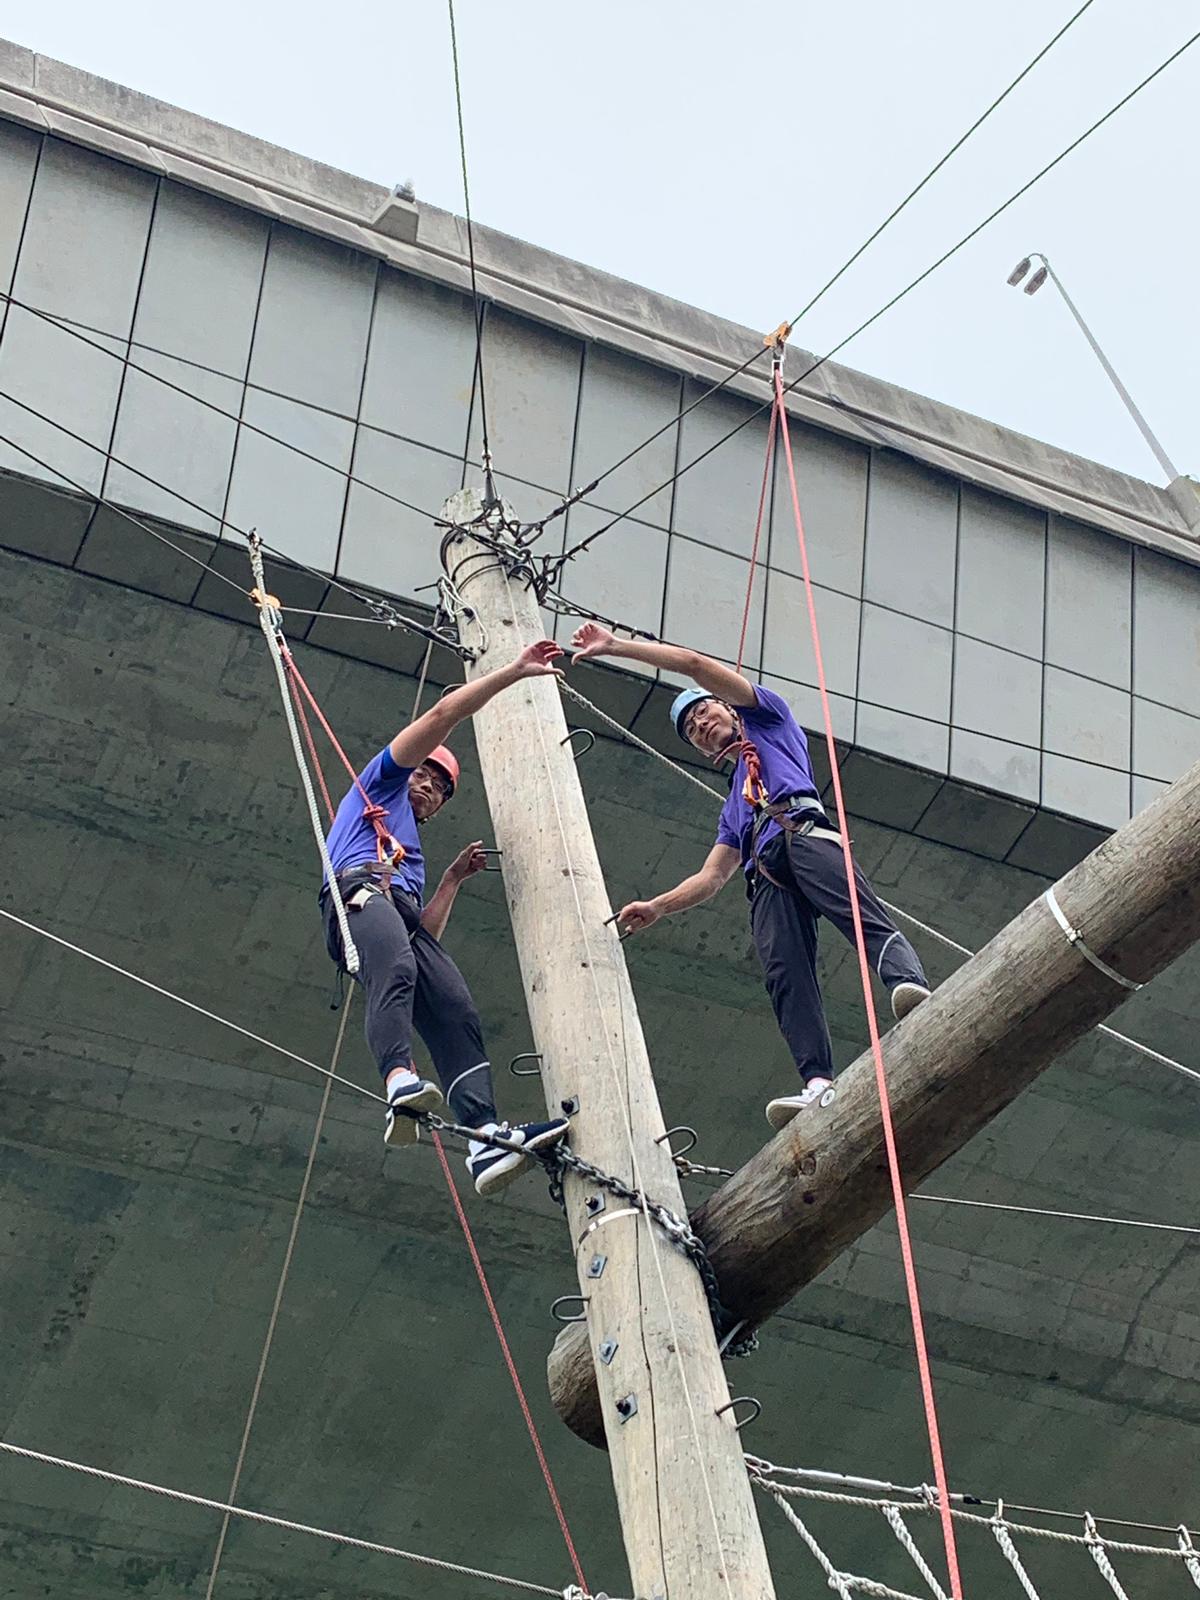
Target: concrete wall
[[1006, 645], [149, 1164]]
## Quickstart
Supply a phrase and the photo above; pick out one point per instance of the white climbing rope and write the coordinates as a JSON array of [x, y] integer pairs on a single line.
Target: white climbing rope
[[272, 626], [1190, 1559], [844, 1584], [277, 1303], [45, 1459], [1100, 1556], [897, 911], [190, 1005], [1012, 1555], [900, 1528]]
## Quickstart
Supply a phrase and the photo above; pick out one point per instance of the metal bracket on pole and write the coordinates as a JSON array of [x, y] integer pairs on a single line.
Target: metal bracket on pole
[[1076, 938]]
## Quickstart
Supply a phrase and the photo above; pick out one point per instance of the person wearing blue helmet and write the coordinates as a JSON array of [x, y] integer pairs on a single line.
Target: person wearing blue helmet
[[773, 826]]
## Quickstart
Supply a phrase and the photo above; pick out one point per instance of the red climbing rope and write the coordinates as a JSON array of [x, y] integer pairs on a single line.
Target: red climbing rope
[[387, 848], [297, 684], [889, 1132], [534, 1436], [762, 506]]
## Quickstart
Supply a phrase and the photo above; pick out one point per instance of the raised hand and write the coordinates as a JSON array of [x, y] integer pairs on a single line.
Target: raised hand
[[591, 639], [537, 660]]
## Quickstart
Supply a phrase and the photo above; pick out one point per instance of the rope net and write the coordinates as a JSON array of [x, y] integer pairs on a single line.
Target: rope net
[[1037, 1573]]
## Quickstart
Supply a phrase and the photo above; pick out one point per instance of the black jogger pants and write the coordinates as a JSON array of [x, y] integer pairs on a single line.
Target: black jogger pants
[[409, 979], [811, 883]]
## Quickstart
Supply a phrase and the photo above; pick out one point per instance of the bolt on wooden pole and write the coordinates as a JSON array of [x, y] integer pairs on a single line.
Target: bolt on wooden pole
[[685, 1501]]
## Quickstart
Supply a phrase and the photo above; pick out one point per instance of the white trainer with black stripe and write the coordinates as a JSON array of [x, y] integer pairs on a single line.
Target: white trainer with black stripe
[[407, 1095], [493, 1168]]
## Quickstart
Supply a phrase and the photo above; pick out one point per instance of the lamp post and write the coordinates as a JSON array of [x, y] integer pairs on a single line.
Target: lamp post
[[1041, 273]]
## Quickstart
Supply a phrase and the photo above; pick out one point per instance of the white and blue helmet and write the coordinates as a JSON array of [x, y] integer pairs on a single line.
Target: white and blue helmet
[[682, 704]]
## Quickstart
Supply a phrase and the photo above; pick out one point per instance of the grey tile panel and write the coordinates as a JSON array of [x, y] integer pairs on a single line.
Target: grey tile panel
[[173, 440], [912, 530], [531, 379], [384, 544], [199, 291], [1166, 631], [19, 148], [913, 739], [717, 499], [296, 504], [1012, 769], [831, 485], [970, 819], [997, 693], [622, 576], [1088, 605], [85, 238], [310, 337], [1165, 742], [420, 363], [622, 403], [905, 664], [805, 702], [1086, 720], [1001, 571], [1080, 789], [706, 601], [788, 642], [71, 383]]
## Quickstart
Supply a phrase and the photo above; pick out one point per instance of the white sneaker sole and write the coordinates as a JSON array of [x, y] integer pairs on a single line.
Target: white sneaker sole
[[501, 1175], [781, 1112], [401, 1130], [906, 997]]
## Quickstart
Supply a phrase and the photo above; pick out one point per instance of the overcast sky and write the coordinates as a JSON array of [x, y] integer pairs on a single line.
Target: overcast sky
[[733, 154]]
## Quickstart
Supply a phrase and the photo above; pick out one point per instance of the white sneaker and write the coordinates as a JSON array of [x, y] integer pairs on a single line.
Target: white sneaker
[[820, 1092], [409, 1094], [907, 997]]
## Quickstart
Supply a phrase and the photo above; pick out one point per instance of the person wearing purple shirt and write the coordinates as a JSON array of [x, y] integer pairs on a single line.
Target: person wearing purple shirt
[[410, 980], [773, 826]]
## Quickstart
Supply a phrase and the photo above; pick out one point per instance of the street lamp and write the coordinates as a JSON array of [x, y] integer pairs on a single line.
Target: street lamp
[[1044, 271]]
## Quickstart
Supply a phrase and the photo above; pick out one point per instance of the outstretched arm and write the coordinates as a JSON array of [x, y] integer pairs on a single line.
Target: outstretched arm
[[593, 640], [719, 866], [412, 744], [465, 865]]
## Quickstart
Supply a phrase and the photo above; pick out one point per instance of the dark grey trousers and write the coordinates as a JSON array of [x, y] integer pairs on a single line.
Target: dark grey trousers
[[811, 883], [409, 979]]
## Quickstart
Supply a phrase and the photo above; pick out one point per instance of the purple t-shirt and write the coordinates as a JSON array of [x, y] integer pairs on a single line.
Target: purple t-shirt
[[352, 838], [786, 769]]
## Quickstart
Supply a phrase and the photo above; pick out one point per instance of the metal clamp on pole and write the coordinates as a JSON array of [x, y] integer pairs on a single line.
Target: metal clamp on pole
[[1075, 937]]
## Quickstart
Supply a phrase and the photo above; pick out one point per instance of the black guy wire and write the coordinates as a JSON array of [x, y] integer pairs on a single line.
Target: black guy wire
[[477, 306], [894, 301], [383, 609], [589, 488], [934, 170], [209, 405]]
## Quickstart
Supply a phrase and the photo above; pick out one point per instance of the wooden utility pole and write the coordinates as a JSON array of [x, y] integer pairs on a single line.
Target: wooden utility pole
[[685, 1501], [987, 1032]]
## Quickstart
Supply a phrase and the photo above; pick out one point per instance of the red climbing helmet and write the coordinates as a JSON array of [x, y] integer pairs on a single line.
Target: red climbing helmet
[[444, 759]]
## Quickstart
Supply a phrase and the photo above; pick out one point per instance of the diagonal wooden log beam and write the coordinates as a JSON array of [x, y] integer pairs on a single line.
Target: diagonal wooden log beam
[[986, 1034]]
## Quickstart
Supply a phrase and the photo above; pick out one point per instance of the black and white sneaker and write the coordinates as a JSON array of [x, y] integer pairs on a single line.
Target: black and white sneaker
[[409, 1094], [907, 997], [818, 1093], [494, 1168]]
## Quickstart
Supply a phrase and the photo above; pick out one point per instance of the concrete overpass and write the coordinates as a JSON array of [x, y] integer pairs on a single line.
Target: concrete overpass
[[1015, 637]]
